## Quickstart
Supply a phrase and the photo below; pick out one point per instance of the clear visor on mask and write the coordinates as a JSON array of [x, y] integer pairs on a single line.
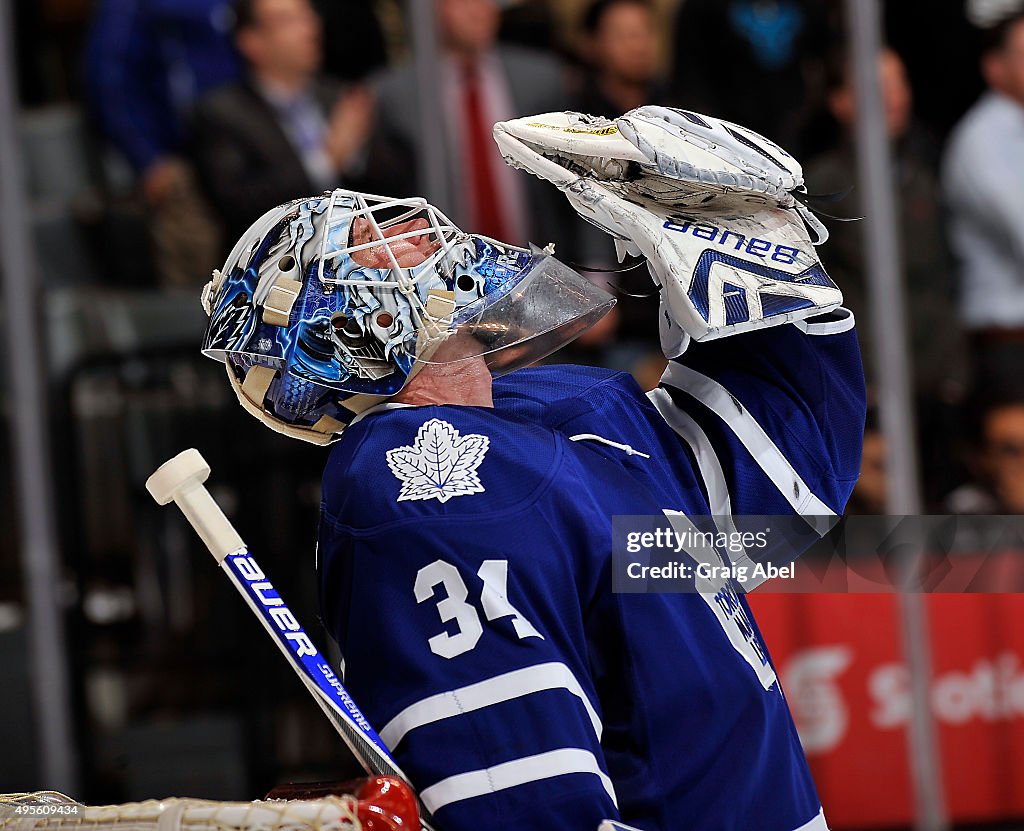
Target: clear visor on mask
[[548, 307]]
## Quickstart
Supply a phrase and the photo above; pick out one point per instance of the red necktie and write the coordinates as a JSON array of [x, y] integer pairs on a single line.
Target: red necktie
[[487, 210]]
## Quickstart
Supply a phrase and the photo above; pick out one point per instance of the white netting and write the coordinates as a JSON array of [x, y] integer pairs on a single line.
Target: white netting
[[50, 811]]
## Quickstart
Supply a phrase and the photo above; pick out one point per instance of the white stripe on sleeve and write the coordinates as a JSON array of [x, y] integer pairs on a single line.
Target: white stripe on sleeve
[[516, 684], [511, 774], [843, 322], [753, 437], [711, 473], [707, 460]]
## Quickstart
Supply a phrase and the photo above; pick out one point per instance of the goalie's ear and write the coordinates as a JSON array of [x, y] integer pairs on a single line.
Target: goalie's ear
[[550, 145]]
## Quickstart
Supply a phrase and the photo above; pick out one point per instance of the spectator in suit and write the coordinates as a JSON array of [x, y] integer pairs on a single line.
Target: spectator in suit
[[983, 180], [936, 340], [147, 63], [283, 131], [619, 47], [937, 343], [482, 82]]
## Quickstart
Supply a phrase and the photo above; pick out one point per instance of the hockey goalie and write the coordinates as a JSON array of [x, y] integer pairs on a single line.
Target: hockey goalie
[[464, 557]]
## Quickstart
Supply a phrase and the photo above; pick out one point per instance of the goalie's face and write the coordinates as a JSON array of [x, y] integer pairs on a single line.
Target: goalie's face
[[341, 296], [408, 250]]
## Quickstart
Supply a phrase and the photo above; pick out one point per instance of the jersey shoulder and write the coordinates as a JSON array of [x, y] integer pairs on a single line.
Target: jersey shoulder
[[587, 402], [445, 463], [528, 393], [553, 395]]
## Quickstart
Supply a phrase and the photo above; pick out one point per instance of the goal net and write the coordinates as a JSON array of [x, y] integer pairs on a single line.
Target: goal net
[[50, 811]]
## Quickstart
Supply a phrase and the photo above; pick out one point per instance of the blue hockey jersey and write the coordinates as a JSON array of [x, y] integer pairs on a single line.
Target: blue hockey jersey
[[465, 572]]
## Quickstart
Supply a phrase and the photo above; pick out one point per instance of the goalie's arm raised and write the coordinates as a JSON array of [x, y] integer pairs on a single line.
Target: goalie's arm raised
[[772, 413], [769, 421], [783, 409]]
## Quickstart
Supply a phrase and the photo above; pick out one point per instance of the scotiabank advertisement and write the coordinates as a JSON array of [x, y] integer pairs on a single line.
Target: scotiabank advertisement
[[840, 659]]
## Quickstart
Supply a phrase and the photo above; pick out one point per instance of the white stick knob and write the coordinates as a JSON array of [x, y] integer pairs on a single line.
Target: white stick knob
[[181, 480]]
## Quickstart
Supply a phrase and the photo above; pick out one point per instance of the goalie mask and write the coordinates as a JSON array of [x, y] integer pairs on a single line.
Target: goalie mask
[[329, 305]]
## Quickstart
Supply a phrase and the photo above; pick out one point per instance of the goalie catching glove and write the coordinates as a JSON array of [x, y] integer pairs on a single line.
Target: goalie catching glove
[[713, 207]]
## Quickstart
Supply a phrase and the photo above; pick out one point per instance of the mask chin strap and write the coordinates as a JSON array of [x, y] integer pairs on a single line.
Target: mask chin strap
[[277, 307], [210, 291], [252, 392], [439, 308]]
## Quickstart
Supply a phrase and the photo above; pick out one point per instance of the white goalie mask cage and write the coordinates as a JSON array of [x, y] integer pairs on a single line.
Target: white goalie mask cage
[[336, 244], [532, 302]]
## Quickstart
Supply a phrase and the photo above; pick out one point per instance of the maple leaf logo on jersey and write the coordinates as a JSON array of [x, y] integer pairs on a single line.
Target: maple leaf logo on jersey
[[440, 464]]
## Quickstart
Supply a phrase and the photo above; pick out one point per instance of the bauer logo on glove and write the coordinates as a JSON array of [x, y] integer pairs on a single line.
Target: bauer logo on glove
[[713, 207]]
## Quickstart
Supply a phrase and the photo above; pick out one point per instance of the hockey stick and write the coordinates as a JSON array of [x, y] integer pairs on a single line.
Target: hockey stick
[[181, 480]]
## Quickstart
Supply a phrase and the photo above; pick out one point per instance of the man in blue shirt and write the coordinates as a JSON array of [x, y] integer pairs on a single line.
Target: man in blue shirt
[[148, 62]]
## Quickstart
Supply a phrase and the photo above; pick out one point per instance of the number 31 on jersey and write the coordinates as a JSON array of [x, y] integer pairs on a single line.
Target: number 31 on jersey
[[455, 606]]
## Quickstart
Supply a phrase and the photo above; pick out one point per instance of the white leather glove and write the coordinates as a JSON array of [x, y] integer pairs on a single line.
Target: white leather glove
[[710, 204]]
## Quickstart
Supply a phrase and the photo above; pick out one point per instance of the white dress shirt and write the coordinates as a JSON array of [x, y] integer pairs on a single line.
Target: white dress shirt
[[983, 180]]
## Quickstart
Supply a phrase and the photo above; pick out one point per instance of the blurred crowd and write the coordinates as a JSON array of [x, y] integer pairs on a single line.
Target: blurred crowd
[[155, 131], [201, 114]]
